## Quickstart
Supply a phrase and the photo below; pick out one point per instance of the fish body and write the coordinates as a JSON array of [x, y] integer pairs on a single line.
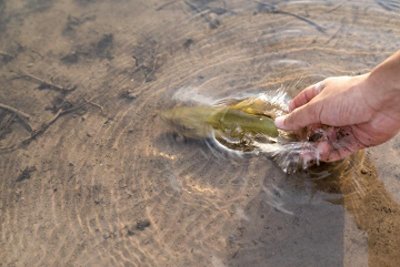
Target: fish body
[[256, 106], [192, 122], [222, 121], [238, 122]]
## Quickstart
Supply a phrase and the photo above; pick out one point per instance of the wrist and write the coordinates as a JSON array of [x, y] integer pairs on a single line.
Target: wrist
[[382, 91], [387, 74], [384, 80]]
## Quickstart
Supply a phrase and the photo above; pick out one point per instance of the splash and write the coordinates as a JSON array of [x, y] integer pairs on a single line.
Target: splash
[[243, 124]]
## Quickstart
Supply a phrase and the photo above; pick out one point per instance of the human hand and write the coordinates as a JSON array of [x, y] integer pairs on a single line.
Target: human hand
[[361, 112]]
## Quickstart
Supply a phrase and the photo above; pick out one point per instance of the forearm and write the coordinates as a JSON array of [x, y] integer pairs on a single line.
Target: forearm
[[383, 85], [388, 73]]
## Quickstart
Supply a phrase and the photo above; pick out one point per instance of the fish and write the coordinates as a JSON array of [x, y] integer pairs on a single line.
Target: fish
[[237, 122], [243, 125]]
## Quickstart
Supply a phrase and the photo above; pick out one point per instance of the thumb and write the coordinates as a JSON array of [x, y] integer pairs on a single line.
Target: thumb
[[299, 118]]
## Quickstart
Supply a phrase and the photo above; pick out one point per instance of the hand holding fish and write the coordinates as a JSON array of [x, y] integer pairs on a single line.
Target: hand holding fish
[[364, 110]]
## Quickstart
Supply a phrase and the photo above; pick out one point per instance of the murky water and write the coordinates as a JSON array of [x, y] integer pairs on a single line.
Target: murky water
[[91, 176]]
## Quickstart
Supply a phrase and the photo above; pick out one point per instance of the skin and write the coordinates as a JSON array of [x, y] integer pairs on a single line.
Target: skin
[[235, 121], [229, 120], [364, 110]]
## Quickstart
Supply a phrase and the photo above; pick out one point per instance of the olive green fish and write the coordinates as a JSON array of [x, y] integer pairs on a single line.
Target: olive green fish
[[237, 121]]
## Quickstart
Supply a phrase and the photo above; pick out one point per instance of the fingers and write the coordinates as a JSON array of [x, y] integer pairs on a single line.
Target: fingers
[[305, 96], [299, 118], [301, 114]]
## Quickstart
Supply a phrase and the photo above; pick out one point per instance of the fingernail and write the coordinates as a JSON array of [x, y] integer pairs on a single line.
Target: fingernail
[[279, 121]]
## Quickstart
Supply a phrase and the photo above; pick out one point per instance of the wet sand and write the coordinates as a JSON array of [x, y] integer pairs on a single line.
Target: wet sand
[[90, 175]]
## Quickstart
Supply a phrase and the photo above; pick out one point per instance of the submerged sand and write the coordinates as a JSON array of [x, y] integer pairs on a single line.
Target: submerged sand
[[90, 175]]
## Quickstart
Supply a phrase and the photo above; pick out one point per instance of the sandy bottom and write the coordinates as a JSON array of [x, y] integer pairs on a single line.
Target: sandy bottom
[[91, 176]]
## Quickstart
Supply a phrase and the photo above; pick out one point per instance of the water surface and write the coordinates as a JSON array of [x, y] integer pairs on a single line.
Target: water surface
[[95, 178]]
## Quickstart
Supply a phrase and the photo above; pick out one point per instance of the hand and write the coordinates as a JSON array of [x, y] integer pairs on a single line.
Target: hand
[[362, 115]]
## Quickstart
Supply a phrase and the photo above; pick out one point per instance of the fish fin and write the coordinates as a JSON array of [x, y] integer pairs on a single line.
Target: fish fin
[[228, 102]]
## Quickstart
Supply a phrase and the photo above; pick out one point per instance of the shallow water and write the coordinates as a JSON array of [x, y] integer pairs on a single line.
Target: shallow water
[[105, 183]]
